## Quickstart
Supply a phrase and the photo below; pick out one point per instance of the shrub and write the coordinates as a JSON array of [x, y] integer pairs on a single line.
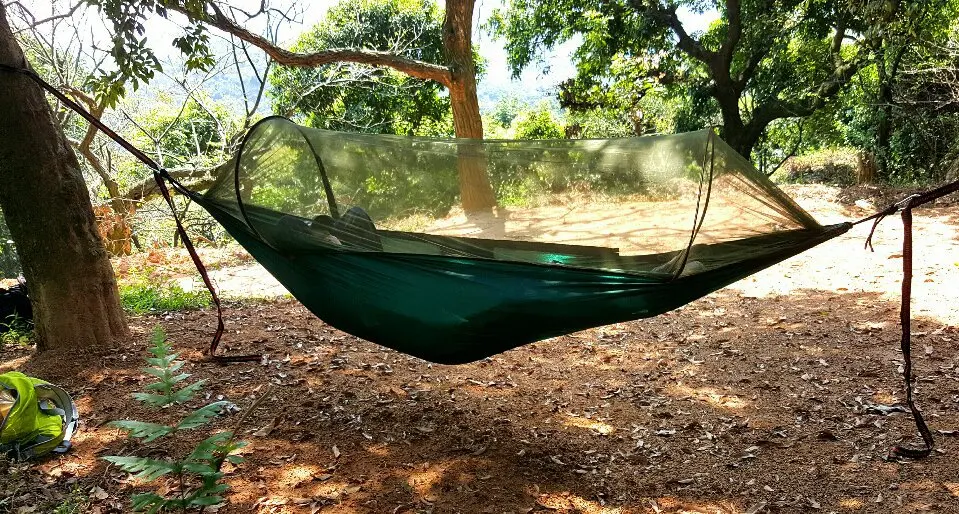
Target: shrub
[[834, 166], [146, 297]]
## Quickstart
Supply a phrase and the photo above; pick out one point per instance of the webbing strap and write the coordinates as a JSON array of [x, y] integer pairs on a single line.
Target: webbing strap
[[159, 174], [905, 319], [905, 309]]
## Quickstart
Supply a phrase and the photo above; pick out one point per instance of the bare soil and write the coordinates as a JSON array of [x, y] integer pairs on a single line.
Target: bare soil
[[768, 396]]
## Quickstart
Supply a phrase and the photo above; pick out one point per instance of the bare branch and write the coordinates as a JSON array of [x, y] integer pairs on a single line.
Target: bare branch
[[734, 31], [411, 67]]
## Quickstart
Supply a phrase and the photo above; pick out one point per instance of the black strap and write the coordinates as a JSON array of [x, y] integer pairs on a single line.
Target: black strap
[[159, 174], [905, 312], [905, 320]]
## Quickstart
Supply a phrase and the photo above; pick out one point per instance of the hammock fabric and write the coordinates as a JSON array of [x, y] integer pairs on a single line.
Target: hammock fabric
[[453, 299], [450, 296]]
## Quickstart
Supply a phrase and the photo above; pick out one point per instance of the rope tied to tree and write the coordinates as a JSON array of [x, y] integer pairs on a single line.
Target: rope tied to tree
[[159, 175]]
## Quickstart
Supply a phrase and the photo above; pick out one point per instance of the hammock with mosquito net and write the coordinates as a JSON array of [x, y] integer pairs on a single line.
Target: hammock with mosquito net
[[608, 231], [365, 231]]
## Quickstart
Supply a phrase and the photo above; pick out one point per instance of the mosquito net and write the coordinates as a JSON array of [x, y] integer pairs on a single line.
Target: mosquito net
[[660, 206]]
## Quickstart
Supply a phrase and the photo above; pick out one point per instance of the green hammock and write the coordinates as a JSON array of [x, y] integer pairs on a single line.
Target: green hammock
[[453, 299]]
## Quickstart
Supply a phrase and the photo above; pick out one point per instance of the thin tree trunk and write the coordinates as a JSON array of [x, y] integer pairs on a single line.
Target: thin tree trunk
[[48, 210], [475, 189]]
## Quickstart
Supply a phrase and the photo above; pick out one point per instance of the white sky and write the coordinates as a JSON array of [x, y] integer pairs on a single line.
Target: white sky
[[558, 62]]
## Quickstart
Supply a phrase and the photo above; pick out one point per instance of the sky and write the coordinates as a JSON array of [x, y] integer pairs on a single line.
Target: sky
[[535, 82]]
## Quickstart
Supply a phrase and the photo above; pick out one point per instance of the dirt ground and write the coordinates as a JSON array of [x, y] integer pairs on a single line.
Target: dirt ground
[[768, 396]]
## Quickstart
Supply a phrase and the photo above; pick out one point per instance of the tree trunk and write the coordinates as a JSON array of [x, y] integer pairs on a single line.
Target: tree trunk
[[50, 217], [475, 189]]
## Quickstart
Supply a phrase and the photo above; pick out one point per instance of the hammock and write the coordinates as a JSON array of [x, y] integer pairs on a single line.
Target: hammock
[[702, 218]]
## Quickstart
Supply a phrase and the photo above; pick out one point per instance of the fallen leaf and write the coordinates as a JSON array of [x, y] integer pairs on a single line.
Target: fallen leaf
[[266, 430], [755, 509]]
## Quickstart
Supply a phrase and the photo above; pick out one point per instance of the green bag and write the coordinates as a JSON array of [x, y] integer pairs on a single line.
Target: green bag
[[36, 417]]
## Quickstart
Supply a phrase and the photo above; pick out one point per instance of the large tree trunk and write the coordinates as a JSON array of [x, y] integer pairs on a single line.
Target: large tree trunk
[[475, 189], [48, 211]]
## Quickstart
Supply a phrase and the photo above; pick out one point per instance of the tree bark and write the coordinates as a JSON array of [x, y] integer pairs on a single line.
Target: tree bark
[[48, 211], [475, 189]]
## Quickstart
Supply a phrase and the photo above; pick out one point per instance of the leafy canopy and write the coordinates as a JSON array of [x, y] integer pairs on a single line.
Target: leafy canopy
[[363, 98], [761, 60]]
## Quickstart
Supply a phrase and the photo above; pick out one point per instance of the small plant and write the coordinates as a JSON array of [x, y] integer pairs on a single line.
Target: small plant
[[196, 476], [145, 297], [76, 502], [17, 331]]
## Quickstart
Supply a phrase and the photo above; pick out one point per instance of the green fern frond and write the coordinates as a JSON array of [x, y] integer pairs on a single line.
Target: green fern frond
[[201, 416], [142, 430], [151, 503], [144, 468]]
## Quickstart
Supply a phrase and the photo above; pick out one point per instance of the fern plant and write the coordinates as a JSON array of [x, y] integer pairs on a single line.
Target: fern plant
[[197, 474]]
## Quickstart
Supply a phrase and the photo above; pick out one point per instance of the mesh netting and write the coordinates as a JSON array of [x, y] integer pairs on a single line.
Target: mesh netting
[[662, 206]]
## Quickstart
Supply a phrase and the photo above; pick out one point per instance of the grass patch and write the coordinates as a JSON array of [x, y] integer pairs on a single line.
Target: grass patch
[[145, 298], [76, 502], [19, 331]]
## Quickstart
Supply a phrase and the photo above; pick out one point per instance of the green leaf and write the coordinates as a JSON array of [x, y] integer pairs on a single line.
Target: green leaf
[[141, 429], [199, 468], [201, 416], [209, 447], [206, 501], [148, 502], [144, 468], [184, 395], [155, 400]]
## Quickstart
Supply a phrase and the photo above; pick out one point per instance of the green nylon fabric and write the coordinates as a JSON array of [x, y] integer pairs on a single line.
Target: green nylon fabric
[[454, 310], [26, 424], [590, 232]]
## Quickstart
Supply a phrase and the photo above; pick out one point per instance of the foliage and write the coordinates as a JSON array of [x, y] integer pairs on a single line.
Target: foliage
[[17, 331], [192, 131], [144, 297], [197, 474], [833, 166], [76, 502], [759, 62], [136, 62], [539, 123], [362, 98]]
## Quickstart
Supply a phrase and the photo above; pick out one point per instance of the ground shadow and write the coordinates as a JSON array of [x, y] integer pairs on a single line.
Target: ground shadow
[[722, 406]]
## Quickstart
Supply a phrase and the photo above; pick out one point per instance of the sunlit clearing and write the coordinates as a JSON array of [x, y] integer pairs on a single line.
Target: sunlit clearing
[[13, 364], [924, 485], [953, 488], [591, 424], [566, 501], [380, 450], [669, 504], [423, 481], [711, 396], [293, 476], [851, 503], [884, 398], [100, 438]]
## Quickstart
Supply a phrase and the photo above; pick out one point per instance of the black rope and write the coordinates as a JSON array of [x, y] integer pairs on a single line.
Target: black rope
[[905, 319], [906, 205], [159, 175]]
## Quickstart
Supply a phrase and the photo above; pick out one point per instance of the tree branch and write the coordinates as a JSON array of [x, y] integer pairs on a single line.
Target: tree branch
[[197, 178], [734, 31], [686, 43], [752, 63], [411, 67]]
